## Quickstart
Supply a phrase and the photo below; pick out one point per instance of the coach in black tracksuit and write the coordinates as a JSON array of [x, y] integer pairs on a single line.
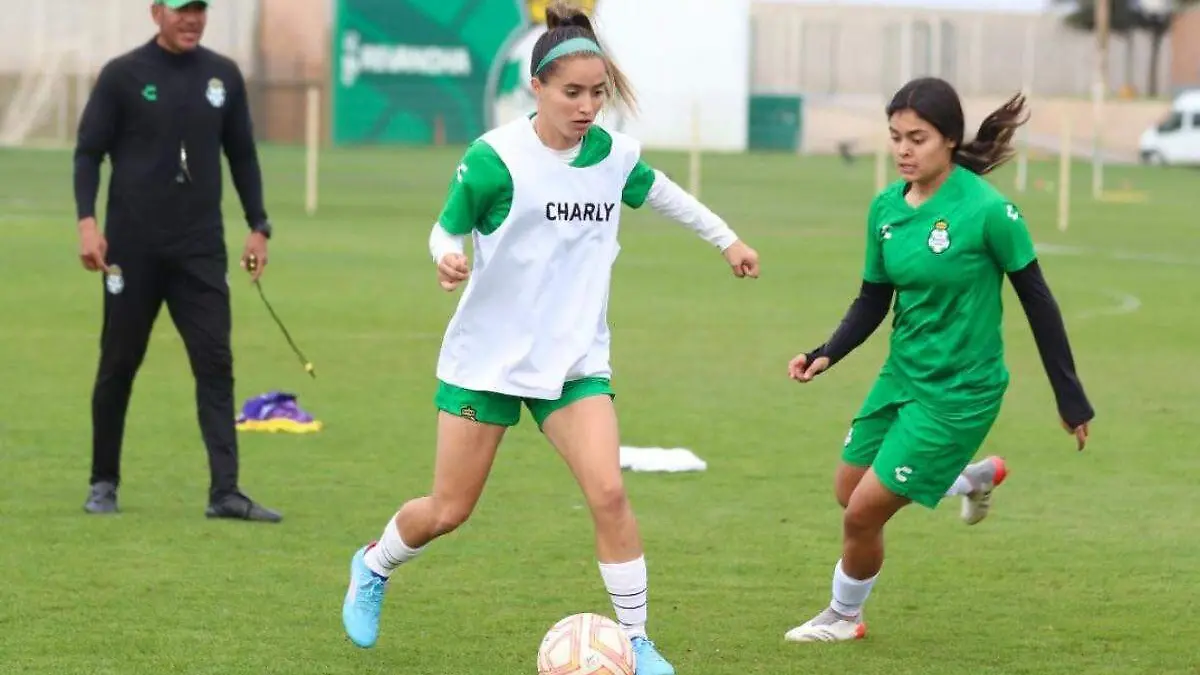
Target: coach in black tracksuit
[[163, 113]]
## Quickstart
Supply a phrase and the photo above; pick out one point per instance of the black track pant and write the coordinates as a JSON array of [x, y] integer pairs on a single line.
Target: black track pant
[[196, 291]]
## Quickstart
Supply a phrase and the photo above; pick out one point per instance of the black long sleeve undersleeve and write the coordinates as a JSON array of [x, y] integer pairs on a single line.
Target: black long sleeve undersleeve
[[242, 153], [1050, 335], [863, 317], [97, 130]]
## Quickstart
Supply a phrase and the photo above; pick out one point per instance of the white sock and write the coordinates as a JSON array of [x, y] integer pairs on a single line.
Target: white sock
[[849, 594], [627, 585], [962, 487], [391, 551]]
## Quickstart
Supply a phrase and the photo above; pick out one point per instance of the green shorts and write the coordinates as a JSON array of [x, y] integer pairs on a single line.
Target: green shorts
[[505, 410], [916, 451]]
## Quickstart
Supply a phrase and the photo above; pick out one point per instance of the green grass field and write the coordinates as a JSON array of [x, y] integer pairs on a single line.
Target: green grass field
[[1087, 565]]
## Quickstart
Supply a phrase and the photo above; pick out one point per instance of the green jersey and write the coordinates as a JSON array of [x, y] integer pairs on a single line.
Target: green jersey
[[947, 260]]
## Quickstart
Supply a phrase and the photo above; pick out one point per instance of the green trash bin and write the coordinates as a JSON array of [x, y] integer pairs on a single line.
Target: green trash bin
[[775, 122]]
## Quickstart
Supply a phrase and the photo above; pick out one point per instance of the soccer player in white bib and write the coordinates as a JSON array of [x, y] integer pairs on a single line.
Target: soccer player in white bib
[[541, 199]]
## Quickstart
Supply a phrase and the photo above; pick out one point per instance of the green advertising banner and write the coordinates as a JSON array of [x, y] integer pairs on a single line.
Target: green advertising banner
[[403, 67]]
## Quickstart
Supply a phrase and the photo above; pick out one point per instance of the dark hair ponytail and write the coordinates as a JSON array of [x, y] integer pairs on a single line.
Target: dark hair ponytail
[[565, 21], [935, 101], [563, 14], [992, 145]]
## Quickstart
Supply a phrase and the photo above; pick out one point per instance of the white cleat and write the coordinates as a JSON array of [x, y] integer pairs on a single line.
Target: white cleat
[[828, 626], [985, 475]]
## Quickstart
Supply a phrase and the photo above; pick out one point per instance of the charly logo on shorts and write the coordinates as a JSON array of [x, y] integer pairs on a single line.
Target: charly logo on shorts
[[939, 237], [113, 281]]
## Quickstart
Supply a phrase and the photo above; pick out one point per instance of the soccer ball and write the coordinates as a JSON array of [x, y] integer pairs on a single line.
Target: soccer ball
[[586, 644]]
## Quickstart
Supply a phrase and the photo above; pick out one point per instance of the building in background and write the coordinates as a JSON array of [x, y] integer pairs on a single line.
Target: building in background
[[51, 51], [840, 58], [292, 53], [1184, 50]]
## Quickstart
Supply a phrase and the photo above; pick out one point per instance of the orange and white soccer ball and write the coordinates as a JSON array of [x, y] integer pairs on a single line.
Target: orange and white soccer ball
[[586, 644]]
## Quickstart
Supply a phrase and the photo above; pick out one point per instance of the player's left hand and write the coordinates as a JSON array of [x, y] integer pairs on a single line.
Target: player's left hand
[[1080, 433], [800, 370], [256, 250], [742, 259]]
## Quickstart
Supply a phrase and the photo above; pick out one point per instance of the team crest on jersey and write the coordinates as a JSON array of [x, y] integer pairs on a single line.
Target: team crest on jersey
[[939, 237], [113, 280], [215, 93]]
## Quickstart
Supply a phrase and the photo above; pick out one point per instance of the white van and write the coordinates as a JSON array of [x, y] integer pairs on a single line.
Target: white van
[[1176, 139]]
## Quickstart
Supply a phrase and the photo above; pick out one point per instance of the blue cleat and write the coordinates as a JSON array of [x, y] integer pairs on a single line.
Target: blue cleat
[[363, 603], [649, 661]]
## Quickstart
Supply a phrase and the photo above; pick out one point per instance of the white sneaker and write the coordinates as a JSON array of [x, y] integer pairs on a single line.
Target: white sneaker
[[828, 626], [985, 475]]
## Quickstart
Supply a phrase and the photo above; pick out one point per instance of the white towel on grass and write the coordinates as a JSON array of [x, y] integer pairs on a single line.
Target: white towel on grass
[[665, 460]]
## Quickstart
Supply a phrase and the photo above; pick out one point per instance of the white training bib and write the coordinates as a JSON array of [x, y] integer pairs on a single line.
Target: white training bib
[[533, 315]]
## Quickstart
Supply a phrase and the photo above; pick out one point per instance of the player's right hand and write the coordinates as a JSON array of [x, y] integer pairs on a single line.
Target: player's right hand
[[801, 370], [742, 259], [1080, 433], [452, 271], [93, 247]]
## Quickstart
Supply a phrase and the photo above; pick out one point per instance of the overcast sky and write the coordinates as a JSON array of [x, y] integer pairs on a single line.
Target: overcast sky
[[992, 5]]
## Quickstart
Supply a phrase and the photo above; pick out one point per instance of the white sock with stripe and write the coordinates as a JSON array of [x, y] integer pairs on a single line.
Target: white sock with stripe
[[627, 586], [849, 594], [391, 551]]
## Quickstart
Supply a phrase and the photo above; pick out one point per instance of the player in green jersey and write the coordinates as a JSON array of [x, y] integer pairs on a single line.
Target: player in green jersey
[[941, 242]]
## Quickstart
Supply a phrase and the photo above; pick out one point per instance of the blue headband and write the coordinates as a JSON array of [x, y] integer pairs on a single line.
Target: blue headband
[[577, 45]]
